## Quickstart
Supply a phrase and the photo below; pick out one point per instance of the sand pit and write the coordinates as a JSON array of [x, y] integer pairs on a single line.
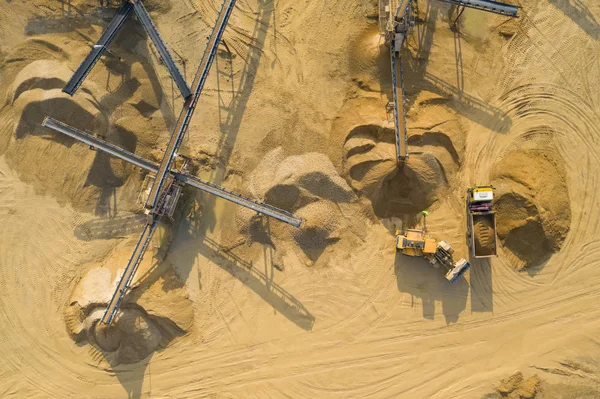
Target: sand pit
[[294, 114]]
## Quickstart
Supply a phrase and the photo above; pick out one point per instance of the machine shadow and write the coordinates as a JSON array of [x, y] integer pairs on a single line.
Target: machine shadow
[[580, 14], [231, 113], [482, 295], [417, 78], [415, 276], [262, 283]]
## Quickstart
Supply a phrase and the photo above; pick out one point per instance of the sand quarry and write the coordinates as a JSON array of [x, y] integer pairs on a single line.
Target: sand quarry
[[229, 304]]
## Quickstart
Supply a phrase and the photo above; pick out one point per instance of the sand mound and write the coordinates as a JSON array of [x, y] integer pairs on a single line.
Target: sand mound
[[107, 337], [132, 337], [320, 228], [158, 6], [284, 180], [307, 185], [516, 387], [532, 204], [403, 192], [150, 317], [120, 97]]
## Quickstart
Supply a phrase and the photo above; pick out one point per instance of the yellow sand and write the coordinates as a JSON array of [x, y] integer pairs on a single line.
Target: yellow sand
[[234, 305]]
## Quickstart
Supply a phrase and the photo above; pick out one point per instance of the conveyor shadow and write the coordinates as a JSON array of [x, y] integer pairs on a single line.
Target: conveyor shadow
[[261, 282], [119, 226], [69, 19], [417, 78], [415, 276], [580, 14], [234, 110]]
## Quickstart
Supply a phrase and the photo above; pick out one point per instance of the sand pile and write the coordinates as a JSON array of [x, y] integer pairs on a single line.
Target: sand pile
[[483, 232], [533, 206], [118, 98], [517, 387], [436, 144], [370, 61], [133, 336], [151, 316], [309, 186]]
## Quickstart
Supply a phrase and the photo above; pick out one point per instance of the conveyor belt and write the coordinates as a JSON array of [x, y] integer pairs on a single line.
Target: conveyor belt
[[99, 48], [97, 143], [399, 116], [193, 181], [240, 200], [487, 5], [160, 45], [130, 269], [188, 110]]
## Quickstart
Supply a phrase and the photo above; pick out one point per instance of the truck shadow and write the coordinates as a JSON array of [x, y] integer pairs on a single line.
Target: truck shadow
[[481, 285], [580, 14], [415, 276]]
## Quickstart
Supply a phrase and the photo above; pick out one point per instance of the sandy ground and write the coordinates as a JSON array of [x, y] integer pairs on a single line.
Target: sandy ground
[[230, 305]]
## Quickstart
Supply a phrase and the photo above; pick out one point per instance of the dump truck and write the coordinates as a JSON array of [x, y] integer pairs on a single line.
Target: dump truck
[[414, 242], [481, 221]]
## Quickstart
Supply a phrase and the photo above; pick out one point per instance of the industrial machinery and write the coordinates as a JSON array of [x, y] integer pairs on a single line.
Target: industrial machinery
[[164, 188], [123, 14], [396, 19], [415, 243], [481, 221]]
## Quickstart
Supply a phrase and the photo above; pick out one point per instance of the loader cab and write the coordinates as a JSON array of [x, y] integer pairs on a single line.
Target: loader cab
[[414, 243]]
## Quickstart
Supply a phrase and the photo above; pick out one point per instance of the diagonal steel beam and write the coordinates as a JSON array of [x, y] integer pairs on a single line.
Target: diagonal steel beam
[[127, 277], [187, 112], [99, 48], [150, 166], [487, 5], [160, 45]]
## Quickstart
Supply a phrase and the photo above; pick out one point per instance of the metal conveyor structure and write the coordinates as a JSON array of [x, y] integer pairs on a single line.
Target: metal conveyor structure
[[161, 47], [487, 5], [168, 181], [98, 49], [397, 29], [188, 109], [153, 218], [395, 22], [123, 13], [185, 178]]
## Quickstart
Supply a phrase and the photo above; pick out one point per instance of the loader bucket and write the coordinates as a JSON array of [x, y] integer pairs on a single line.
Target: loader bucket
[[459, 269]]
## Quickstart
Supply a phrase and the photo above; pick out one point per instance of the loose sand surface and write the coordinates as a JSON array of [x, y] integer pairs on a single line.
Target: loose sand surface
[[230, 304]]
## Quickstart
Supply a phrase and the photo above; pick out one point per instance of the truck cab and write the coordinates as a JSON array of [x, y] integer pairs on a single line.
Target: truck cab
[[481, 221]]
